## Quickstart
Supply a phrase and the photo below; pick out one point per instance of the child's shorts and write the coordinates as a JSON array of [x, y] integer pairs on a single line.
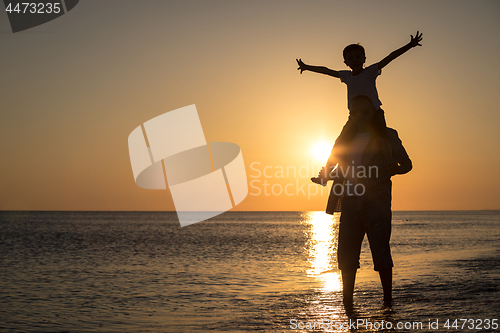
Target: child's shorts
[[349, 132]]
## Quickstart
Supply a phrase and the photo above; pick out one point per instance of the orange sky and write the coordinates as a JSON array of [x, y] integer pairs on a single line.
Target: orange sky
[[74, 88]]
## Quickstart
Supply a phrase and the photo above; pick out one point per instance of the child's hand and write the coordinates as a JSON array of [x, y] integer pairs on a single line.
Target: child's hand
[[302, 66], [415, 41]]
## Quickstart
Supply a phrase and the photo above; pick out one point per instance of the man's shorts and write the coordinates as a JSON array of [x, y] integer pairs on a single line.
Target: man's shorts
[[375, 221]]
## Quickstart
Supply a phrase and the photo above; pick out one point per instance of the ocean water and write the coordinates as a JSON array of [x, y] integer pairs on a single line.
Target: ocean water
[[241, 271]]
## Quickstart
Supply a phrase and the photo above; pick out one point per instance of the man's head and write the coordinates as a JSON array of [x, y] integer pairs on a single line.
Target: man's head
[[354, 56], [361, 111]]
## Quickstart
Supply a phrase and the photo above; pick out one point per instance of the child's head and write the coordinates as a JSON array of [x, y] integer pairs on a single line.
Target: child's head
[[354, 56]]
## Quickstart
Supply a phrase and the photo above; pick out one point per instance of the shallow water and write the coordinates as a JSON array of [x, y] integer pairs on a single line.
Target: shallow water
[[240, 271]]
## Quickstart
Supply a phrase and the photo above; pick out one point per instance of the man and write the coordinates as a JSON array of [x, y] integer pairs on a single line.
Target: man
[[362, 193]]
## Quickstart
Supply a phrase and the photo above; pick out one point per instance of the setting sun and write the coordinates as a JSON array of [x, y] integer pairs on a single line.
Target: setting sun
[[321, 151]]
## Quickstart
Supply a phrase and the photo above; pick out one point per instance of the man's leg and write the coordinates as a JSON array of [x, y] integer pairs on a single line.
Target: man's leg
[[386, 279], [351, 234], [379, 234], [348, 281]]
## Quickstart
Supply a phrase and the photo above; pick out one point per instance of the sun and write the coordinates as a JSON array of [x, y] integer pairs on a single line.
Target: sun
[[321, 151]]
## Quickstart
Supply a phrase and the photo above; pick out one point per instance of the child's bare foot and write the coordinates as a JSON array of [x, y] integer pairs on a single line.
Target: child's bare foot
[[319, 181], [322, 177]]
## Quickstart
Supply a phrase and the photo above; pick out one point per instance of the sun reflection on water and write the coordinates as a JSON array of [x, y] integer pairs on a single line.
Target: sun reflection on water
[[325, 305], [322, 246]]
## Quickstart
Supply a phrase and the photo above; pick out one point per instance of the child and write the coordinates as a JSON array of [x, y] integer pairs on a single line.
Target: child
[[361, 81]]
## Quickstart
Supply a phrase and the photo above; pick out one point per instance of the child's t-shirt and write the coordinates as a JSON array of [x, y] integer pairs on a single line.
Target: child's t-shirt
[[362, 84]]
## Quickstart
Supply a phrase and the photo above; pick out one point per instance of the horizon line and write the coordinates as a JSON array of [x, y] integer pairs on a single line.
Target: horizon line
[[246, 211]]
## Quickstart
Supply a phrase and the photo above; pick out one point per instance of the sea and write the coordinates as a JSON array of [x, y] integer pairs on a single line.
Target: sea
[[242, 272]]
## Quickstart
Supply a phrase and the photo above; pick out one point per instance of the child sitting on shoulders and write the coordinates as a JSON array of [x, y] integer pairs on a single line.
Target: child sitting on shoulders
[[361, 81]]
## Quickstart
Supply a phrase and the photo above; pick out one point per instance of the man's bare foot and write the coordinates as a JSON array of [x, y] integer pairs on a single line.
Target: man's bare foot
[[348, 305], [388, 303]]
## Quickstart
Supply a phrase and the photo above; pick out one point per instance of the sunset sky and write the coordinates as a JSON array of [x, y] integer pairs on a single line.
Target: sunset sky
[[74, 88]]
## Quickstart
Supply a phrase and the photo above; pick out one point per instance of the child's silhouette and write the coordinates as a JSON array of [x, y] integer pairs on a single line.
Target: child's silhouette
[[360, 81]]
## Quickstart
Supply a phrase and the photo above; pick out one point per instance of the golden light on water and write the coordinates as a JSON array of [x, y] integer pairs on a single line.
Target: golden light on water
[[323, 250]]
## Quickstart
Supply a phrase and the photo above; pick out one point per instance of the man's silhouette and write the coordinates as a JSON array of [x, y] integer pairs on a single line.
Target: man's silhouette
[[362, 193]]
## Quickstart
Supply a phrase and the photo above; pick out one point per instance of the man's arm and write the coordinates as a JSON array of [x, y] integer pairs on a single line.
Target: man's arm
[[316, 69], [415, 41], [399, 153], [404, 167]]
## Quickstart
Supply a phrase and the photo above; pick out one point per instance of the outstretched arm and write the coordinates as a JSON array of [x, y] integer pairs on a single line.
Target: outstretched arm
[[415, 41], [316, 69]]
